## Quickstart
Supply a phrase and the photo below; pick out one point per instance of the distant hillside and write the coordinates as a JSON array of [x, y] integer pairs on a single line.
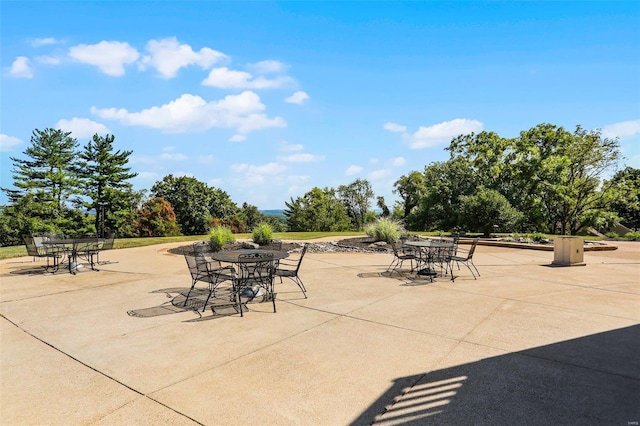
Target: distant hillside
[[272, 212]]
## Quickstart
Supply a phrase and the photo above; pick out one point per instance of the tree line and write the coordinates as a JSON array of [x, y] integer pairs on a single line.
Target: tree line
[[545, 180]]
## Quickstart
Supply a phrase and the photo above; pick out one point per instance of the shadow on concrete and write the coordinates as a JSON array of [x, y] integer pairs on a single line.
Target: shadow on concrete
[[218, 306], [593, 380]]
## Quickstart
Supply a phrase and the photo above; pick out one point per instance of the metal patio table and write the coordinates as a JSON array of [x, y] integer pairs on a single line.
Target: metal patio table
[[431, 251], [71, 246]]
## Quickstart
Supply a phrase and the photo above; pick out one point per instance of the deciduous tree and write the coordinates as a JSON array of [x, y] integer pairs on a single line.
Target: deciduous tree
[[356, 198], [194, 202]]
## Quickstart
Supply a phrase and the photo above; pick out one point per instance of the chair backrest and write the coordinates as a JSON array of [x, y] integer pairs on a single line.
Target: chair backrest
[[197, 266], [394, 246], [444, 253], [456, 241], [201, 247], [304, 250], [274, 245], [474, 243], [108, 241], [256, 265], [29, 242]]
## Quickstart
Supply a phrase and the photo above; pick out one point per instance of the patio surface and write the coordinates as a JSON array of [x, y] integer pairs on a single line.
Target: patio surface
[[526, 343]]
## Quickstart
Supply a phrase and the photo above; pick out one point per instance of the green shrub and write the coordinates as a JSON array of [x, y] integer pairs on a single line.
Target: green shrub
[[633, 236], [611, 234], [219, 236], [385, 229], [537, 236], [262, 234]]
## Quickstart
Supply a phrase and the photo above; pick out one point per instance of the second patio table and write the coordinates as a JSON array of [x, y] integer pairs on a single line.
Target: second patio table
[[72, 246], [433, 251]]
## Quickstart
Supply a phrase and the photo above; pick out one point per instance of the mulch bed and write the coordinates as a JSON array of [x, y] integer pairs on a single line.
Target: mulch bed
[[349, 245]]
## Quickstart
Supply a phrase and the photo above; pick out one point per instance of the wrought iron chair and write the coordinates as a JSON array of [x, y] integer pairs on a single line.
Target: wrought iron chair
[[400, 255], [466, 260], [93, 249], [209, 272], [289, 268], [256, 273], [43, 251]]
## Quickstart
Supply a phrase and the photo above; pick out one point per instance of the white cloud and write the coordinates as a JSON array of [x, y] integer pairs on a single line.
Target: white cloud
[[353, 170], [8, 143], [287, 147], [21, 68], [147, 176], [168, 56], [297, 98], [379, 174], [188, 113], [237, 138], [301, 158], [268, 67], [622, 129], [109, 56], [224, 78], [398, 161], [266, 169], [43, 41], [252, 175], [427, 137], [173, 157], [49, 60], [393, 127], [82, 127], [166, 155]]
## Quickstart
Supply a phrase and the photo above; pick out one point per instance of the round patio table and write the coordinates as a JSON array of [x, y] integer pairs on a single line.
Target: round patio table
[[246, 271], [431, 250], [72, 246]]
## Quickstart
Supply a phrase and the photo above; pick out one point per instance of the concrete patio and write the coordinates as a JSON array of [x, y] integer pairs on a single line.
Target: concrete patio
[[526, 343]]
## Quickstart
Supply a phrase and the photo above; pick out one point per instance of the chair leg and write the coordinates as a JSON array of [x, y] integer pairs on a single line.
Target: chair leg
[[474, 267], [193, 284], [301, 285]]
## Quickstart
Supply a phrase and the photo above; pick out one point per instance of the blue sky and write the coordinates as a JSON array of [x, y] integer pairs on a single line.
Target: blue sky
[[267, 100]]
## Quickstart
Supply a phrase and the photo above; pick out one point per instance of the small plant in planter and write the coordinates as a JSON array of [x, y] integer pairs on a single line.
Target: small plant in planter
[[262, 234], [219, 236], [385, 229]]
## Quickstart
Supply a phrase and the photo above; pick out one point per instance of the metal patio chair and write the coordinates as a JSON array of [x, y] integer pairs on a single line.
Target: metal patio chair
[[42, 251], [400, 255], [210, 272], [289, 268], [466, 260]]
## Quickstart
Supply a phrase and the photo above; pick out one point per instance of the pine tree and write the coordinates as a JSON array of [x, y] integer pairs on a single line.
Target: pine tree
[[104, 177], [48, 173]]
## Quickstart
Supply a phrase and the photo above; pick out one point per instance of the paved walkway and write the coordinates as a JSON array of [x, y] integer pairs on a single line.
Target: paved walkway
[[524, 344]]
